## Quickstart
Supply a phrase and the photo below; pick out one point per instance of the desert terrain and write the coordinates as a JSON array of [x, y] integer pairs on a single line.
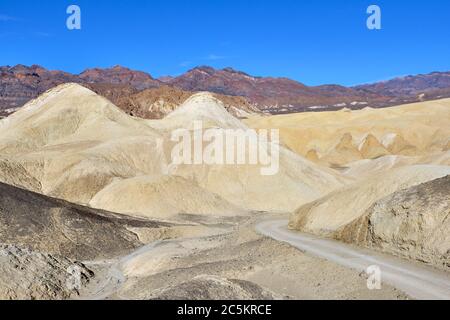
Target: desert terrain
[[84, 183]]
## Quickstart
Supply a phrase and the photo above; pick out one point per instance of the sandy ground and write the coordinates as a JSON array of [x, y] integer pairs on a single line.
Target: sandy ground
[[232, 252]]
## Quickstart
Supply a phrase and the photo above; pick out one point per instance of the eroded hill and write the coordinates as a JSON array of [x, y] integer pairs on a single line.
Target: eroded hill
[[75, 145], [338, 138], [411, 223]]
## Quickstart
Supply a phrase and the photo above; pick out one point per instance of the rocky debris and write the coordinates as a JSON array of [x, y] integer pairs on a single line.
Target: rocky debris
[[412, 223], [213, 288], [61, 228], [29, 275]]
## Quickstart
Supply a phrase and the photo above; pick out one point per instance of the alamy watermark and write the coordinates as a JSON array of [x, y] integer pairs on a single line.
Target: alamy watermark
[[216, 146], [374, 278], [374, 20], [73, 22]]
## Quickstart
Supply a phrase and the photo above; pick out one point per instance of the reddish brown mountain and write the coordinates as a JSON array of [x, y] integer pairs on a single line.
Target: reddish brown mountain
[[165, 79], [112, 92], [20, 84], [411, 86], [120, 76], [121, 85], [271, 93], [421, 87]]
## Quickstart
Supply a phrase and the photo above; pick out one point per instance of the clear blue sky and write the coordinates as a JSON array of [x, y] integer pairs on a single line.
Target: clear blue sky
[[312, 41]]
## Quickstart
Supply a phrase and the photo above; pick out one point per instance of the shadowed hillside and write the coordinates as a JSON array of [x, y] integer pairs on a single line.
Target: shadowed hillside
[[58, 227]]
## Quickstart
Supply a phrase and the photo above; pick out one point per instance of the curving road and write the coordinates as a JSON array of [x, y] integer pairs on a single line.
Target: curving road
[[418, 281]]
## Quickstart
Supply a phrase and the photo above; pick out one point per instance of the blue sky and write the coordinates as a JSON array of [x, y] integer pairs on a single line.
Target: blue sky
[[312, 41]]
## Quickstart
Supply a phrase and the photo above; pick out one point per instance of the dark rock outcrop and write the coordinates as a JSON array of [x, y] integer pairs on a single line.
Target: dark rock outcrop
[[412, 223], [29, 275], [58, 227]]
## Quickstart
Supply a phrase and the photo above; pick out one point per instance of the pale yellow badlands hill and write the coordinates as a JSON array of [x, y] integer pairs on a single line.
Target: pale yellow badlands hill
[[340, 137], [348, 214], [383, 152], [412, 223], [73, 144], [340, 208]]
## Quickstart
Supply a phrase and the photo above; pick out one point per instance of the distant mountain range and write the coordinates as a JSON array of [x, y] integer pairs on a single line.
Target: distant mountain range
[[272, 94], [20, 84], [435, 83], [281, 95]]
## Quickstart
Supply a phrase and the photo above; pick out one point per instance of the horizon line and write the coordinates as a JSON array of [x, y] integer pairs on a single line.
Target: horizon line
[[223, 69]]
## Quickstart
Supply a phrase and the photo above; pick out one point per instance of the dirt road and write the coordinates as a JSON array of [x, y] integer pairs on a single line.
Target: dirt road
[[418, 281]]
